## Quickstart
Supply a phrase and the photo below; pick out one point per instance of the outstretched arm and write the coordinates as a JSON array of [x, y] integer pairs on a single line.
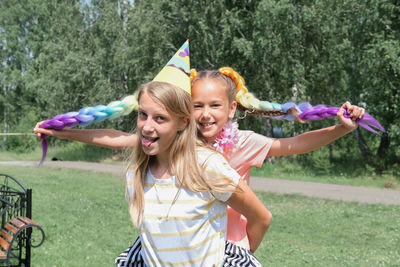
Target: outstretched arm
[[258, 216], [313, 140], [108, 138]]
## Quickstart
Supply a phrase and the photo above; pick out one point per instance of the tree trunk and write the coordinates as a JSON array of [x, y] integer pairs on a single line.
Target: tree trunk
[[5, 115], [123, 9]]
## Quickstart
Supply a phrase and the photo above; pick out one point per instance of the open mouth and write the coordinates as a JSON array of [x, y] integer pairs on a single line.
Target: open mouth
[[148, 141]]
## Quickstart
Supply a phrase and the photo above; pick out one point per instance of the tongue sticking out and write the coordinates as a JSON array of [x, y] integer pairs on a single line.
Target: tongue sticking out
[[147, 142]]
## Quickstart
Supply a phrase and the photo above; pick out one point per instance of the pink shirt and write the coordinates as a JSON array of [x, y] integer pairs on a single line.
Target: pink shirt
[[250, 150]]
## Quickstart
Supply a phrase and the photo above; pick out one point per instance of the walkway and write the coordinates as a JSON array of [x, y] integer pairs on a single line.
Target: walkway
[[311, 189]]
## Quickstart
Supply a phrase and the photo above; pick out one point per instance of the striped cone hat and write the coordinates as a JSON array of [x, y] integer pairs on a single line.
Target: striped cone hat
[[177, 70]]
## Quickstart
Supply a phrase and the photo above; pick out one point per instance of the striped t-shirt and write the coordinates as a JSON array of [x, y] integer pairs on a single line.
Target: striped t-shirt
[[181, 227]]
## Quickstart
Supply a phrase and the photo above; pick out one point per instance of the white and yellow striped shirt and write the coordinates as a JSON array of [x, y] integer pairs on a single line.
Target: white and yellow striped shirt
[[190, 231]]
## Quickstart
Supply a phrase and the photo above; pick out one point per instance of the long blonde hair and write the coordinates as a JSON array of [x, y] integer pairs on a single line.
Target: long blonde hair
[[182, 155]]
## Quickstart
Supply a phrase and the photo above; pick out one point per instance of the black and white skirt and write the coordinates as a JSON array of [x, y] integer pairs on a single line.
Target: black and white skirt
[[131, 256], [234, 256]]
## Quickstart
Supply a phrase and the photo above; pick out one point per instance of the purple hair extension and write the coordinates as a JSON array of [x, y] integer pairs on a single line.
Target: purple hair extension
[[306, 112], [250, 104], [88, 115], [320, 112]]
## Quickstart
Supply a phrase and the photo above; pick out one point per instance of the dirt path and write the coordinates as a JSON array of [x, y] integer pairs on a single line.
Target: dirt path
[[321, 190]]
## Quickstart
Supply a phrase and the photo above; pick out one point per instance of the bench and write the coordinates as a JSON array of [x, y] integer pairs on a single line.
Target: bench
[[10, 233], [16, 236]]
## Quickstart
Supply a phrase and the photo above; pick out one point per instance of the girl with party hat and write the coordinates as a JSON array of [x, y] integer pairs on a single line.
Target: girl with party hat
[[180, 209], [216, 96]]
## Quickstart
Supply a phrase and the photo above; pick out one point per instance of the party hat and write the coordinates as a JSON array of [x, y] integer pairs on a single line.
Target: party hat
[[177, 70]]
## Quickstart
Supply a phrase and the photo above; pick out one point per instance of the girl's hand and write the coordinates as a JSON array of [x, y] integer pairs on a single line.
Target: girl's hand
[[355, 113], [40, 131], [258, 216]]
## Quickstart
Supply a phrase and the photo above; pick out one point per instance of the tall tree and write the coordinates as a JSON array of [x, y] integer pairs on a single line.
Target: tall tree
[[380, 70], [15, 25]]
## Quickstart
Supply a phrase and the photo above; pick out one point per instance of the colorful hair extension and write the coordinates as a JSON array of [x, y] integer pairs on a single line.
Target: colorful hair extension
[[247, 103], [88, 115], [303, 112]]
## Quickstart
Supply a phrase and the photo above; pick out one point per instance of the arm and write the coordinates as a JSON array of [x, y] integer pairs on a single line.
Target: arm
[[313, 140], [108, 138], [258, 216]]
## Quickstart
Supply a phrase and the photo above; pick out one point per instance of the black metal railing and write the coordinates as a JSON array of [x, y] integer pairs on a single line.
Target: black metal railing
[[15, 201]]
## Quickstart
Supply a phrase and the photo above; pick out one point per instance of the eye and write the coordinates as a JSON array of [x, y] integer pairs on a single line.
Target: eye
[[216, 105], [197, 106], [142, 115], [160, 118]]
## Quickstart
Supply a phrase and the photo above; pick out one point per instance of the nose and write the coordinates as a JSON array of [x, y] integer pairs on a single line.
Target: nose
[[147, 126], [206, 112]]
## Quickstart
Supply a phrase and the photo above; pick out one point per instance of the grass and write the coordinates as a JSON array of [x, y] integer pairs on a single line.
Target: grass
[[86, 221], [291, 170], [283, 168], [84, 215], [318, 232]]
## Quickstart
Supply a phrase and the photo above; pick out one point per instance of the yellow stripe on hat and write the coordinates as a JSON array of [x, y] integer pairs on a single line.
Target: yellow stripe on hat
[[174, 76]]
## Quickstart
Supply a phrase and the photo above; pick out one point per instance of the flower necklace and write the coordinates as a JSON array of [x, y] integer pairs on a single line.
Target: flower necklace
[[227, 138]]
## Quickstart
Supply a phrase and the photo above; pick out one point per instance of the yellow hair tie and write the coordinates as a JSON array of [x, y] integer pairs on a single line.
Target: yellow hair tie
[[242, 94], [193, 74]]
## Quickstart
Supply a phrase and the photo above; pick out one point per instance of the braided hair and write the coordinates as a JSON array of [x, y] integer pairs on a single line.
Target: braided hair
[[249, 104], [236, 90]]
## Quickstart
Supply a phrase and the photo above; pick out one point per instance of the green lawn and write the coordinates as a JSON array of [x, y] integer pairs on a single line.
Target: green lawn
[[86, 221], [281, 169], [84, 215], [289, 170]]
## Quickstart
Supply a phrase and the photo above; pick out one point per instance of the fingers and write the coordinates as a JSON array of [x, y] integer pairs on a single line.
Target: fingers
[[346, 106], [340, 115], [355, 112], [37, 130], [39, 124], [358, 112]]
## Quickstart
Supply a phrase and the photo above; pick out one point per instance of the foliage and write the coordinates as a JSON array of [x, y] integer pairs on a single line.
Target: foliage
[[60, 56], [82, 152], [23, 143]]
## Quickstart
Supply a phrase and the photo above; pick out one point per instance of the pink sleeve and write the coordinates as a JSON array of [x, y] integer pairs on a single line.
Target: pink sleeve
[[253, 148]]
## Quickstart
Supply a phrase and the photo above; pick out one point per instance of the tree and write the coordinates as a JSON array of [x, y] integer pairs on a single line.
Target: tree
[[15, 24]]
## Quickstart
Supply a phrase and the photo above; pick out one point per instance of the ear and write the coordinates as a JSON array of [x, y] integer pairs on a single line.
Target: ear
[[232, 110], [183, 124]]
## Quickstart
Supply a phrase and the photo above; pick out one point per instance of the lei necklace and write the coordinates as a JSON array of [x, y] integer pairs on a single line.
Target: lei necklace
[[228, 138]]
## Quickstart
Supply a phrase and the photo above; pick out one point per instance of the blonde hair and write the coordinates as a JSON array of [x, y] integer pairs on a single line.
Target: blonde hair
[[183, 150]]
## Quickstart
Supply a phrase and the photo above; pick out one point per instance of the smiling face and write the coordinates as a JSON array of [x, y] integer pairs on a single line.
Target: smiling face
[[212, 108], [157, 128]]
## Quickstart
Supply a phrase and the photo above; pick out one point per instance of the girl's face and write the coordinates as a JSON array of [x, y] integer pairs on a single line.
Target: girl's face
[[211, 107], [157, 128]]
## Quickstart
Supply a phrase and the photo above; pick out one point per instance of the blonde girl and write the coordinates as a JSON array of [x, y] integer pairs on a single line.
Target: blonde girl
[[216, 95], [180, 208]]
